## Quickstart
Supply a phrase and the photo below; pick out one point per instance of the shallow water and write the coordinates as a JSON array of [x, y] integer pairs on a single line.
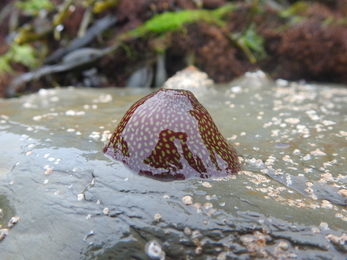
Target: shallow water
[[73, 202]]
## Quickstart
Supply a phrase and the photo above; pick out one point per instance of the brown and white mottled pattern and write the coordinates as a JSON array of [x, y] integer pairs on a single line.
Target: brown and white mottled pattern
[[169, 135]]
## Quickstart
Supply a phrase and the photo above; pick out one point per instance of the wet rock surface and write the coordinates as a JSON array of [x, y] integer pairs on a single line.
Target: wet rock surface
[[75, 203]]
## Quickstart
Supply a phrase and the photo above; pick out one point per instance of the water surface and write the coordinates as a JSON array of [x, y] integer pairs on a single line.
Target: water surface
[[73, 202]]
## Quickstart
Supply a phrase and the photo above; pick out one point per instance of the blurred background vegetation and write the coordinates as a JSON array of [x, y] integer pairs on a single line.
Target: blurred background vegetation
[[103, 43]]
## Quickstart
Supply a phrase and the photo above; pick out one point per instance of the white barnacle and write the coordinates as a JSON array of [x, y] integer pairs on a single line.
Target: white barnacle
[[157, 217], [3, 233], [206, 184], [188, 200], [13, 221], [80, 196], [106, 211], [318, 152], [208, 205], [343, 192], [154, 251]]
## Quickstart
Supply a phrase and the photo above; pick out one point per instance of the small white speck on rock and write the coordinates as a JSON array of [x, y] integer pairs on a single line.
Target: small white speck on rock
[[188, 200]]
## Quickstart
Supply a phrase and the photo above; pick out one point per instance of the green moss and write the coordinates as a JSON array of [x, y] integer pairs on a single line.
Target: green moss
[[254, 42], [100, 6], [33, 6], [63, 13], [171, 21], [294, 10], [23, 54]]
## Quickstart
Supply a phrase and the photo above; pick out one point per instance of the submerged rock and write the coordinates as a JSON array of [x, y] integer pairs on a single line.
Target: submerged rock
[[190, 79], [52, 144]]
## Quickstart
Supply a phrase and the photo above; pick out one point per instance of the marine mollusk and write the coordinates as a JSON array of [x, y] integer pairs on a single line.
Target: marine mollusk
[[169, 135]]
